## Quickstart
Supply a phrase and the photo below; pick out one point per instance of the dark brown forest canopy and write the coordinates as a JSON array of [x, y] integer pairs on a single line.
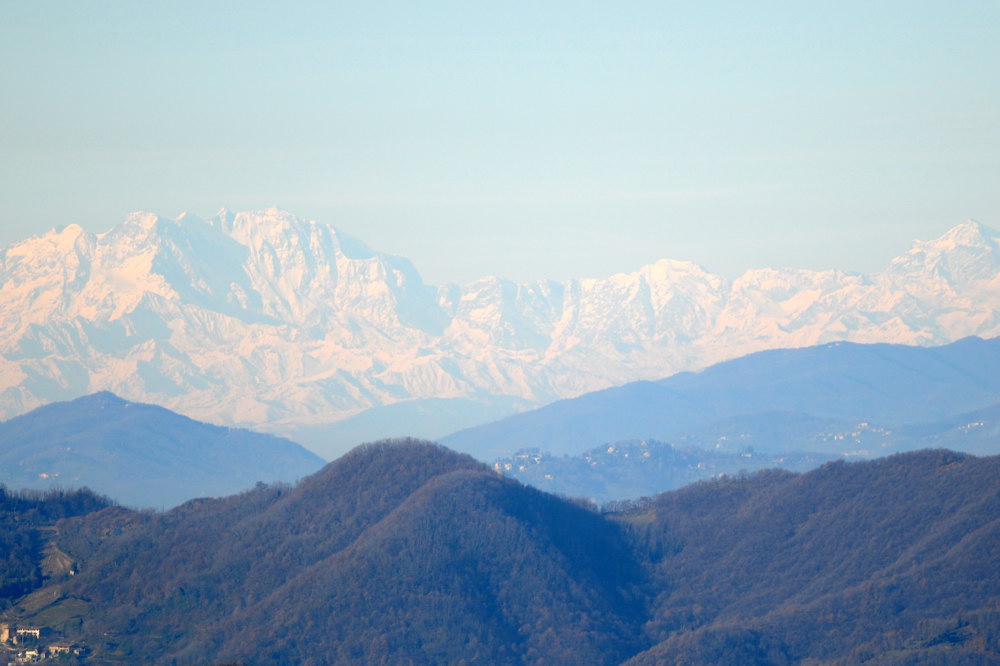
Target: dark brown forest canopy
[[404, 551]]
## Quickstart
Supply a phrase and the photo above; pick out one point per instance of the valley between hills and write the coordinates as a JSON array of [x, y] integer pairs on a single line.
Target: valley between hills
[[405, 552], [657, 468], [526, 334]]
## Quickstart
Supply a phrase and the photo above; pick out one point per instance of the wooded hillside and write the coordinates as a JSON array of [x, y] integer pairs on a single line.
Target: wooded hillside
[[405, 552]]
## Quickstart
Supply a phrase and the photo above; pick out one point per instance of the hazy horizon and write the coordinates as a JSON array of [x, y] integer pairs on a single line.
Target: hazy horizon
[[522, 141]]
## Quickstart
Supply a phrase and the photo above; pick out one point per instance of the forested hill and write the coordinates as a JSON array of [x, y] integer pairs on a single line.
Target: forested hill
[[25, 518], [406, 552], [894, 560], [391, 551]]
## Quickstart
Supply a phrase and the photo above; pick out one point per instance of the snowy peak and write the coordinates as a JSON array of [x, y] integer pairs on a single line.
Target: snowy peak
[[674, 270], [969, 233], [264, 317], [300, 268], [969, 252], [137, 222], [270, 263]]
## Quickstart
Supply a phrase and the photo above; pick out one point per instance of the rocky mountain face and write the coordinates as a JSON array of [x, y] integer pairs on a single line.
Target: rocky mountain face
[[266, 319]]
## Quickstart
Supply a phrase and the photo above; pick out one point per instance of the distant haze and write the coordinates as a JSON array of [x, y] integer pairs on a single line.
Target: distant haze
[[526, 141], [265, 319]]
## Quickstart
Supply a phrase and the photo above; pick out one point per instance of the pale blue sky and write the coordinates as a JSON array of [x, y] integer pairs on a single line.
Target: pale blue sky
[[522, 139]]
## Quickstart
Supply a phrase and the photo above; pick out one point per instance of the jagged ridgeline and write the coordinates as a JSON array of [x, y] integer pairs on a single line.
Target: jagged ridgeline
[[258, 319], [405, 552]]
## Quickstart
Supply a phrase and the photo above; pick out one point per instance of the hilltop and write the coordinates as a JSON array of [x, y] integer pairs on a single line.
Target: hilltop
[[141, 455], [405, 551]]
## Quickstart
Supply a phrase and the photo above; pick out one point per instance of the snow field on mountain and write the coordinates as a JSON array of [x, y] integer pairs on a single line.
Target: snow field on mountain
[[266, 319]]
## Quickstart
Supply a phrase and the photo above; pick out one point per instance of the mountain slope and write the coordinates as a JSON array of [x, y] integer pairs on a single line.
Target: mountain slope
[[976, 432], [790, 441], [491, 556], [846, 563], [265, 318], [633, 469], [887, 384], [141, 455], [25, 517], [401, 552], [408, 553]]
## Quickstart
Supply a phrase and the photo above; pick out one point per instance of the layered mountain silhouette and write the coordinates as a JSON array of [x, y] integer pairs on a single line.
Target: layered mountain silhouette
[[776, 393], [405, 552], [141, 455], [265, 319], [793, 409], [786, 440]]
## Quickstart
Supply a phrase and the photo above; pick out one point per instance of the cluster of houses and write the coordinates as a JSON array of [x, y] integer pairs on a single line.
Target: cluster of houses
[[27, 644]]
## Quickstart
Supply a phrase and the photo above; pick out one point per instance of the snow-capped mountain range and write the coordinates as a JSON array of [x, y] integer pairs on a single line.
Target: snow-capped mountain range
[[270, 320]]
